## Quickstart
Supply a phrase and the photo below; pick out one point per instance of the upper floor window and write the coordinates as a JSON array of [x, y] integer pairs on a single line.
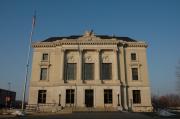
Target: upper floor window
[[43, 74], [42, 96], [71, 71], [133, 56], [88, 71], [106, 71], [134, 73], [108, 96], [44, 56], [136, 96]]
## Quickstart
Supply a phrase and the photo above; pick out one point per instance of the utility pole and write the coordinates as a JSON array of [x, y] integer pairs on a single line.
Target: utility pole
[[27, 65]]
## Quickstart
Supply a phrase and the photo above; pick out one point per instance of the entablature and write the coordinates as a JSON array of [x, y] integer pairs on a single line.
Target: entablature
[[82, 43]]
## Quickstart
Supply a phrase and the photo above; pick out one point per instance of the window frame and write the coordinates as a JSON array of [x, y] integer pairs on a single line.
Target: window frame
[[136, 96], [108, 96], [91, 73], [135, 75], [70, 96], [42, 95], [41, 73], [69, 72], [104, 73], [45, 57], [133, 57]]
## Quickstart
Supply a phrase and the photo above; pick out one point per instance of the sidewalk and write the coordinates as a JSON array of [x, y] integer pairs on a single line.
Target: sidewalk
[[29, 114], [6, 116]]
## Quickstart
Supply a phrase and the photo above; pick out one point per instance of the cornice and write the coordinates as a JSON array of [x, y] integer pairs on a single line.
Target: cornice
[[43, 44], [74, 42], [89, 41], [136, 44]]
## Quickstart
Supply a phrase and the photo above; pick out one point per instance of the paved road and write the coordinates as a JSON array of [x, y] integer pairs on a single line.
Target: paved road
[[95, 115]]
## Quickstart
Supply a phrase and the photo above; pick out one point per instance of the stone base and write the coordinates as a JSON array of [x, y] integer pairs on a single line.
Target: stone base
[[142, 109], [119, 108]]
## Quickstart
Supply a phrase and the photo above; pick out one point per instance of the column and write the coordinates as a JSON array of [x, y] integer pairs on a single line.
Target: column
[[115, 78], [98, 66], [122, 66], [125, 97], [62, 65], [80, 62], [120, 95]]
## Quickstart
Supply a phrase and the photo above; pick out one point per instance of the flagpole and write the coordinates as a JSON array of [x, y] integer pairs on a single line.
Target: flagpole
[[27, 64]]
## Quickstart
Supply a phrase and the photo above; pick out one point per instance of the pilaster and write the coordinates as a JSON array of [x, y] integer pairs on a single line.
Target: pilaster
[[122, 65], [62, 65], [98, 67], [80, 62], [115, 69]]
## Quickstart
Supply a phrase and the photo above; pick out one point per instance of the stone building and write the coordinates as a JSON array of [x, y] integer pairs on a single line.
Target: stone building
[[98, 71]]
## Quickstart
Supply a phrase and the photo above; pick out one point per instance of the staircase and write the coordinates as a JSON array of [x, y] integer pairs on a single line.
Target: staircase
[[55, 108], [88, 109], [31, 108], [43, 108]]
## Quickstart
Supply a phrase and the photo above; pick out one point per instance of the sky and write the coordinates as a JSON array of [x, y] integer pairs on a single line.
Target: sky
[[156, 22]]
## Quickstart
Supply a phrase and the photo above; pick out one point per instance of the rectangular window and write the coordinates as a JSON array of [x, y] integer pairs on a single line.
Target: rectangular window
[[70, 96], [42, 96], [43, 75], [134, 73], [133, 56], [45, 57], [136, 96], [107, 96], [88, 71], [106, 71], [71, 71]]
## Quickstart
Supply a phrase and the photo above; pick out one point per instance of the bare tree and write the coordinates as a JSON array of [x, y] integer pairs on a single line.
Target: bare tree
[[178, 77], [166, 101]]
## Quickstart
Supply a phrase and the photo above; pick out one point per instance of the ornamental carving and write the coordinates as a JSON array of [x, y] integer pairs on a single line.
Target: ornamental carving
[[44, 64], [89, 33], [106, 58], [89, 59], [70, 58]]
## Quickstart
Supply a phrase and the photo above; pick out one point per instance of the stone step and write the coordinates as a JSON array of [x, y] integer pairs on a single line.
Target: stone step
[[68, 109], [85, 109]]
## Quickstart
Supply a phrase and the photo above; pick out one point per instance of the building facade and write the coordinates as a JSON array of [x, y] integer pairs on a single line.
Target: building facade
[[90, 70]]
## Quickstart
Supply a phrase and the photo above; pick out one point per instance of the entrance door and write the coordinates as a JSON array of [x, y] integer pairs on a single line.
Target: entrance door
[[89, 98]]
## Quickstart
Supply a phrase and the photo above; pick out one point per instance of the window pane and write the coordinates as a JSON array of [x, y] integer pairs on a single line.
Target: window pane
[[88, 71], [133, 56], [42, 96], [71, 71], [134, 74], [107, 96], [70, 96], [67, 96], [43, 75], [45, 56], [136, 96], [106, 71]]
